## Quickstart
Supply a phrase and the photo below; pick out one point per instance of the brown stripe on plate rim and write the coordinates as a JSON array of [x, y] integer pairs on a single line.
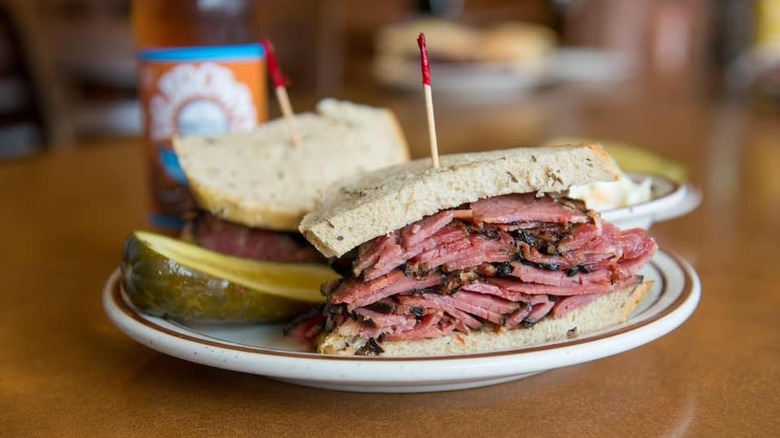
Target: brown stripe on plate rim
[[684, 295]]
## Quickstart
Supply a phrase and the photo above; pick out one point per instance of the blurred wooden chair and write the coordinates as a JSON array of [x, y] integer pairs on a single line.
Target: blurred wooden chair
[[93, 50], [32, 105]]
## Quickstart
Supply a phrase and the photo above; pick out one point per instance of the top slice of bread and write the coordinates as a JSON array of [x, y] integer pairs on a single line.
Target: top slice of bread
[[360, 208], [261, 179]]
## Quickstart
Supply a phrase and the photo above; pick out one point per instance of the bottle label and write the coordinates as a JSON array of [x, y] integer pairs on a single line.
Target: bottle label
[[204, 91]]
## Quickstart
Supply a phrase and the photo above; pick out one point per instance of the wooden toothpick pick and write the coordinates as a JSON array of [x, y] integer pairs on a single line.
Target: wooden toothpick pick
[[426, 79], [281, 91]]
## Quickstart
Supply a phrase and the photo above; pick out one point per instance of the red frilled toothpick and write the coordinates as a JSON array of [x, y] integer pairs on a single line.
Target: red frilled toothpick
[[426, 80], [281, 91]]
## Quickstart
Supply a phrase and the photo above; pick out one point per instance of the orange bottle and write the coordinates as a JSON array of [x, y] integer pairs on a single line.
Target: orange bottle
[[201, 72]]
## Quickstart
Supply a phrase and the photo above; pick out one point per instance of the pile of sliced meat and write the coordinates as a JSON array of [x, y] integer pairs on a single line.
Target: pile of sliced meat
[[506, 261], [239, 240]]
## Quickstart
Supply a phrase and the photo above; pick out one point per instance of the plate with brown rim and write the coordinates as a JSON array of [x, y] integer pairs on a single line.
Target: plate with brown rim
[[263, 350]]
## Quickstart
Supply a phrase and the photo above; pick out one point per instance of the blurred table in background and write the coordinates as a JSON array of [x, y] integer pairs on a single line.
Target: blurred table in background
[[85, 50]]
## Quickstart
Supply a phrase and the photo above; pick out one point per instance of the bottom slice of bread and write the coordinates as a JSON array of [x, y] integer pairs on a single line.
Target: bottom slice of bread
[[602, 312]]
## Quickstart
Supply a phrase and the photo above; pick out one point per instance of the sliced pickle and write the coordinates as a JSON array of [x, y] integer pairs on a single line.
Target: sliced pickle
[[167, 277]]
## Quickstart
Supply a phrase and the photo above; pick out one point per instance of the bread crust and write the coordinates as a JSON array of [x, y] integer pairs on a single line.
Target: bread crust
[[603, 312], [358, 209]]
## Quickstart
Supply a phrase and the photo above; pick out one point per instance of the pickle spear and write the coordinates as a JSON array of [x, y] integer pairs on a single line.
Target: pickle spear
[[167, 277]]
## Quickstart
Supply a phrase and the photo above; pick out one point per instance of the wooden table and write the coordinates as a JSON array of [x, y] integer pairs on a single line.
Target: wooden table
[[66, 371]]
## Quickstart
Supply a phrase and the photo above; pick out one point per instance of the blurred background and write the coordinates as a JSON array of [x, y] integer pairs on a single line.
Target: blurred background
[[533, 68]]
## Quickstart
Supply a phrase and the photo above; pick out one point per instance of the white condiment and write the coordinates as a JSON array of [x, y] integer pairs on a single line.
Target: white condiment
[[614, 194]]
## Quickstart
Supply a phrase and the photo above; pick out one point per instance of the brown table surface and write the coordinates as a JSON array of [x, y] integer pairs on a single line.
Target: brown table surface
[[65, 370]]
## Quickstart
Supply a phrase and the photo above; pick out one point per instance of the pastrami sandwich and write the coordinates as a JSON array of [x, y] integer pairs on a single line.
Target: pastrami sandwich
[[484, 253], [254, 187]]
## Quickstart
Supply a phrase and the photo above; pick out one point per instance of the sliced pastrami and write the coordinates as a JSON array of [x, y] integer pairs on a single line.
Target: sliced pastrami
[[383, 254], [581, 235], [439, 302], [487, 307], [426, 328], [504, 262], [517, 317], [355, 293], [240, 240], [568, 304], [391, 258], [484, 287], [485, 301], [568, 278], [389, 254], [352, 289], [404, 284], [439, 255], [369, 252], [595, 259], [633, 265], [415, 233], [539, 311], [450, 233], [544, 289], [475, 250], [305, 328], [527, 207], [384, 320], [636, 244], [494, 248]]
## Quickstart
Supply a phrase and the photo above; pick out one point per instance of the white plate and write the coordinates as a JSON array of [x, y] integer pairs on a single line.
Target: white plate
[[261, 349], [591, 66], [669, 200], [499, 81], [488, 82]]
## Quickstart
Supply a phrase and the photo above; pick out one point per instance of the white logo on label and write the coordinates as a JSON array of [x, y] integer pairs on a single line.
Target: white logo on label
[[201, 99]]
